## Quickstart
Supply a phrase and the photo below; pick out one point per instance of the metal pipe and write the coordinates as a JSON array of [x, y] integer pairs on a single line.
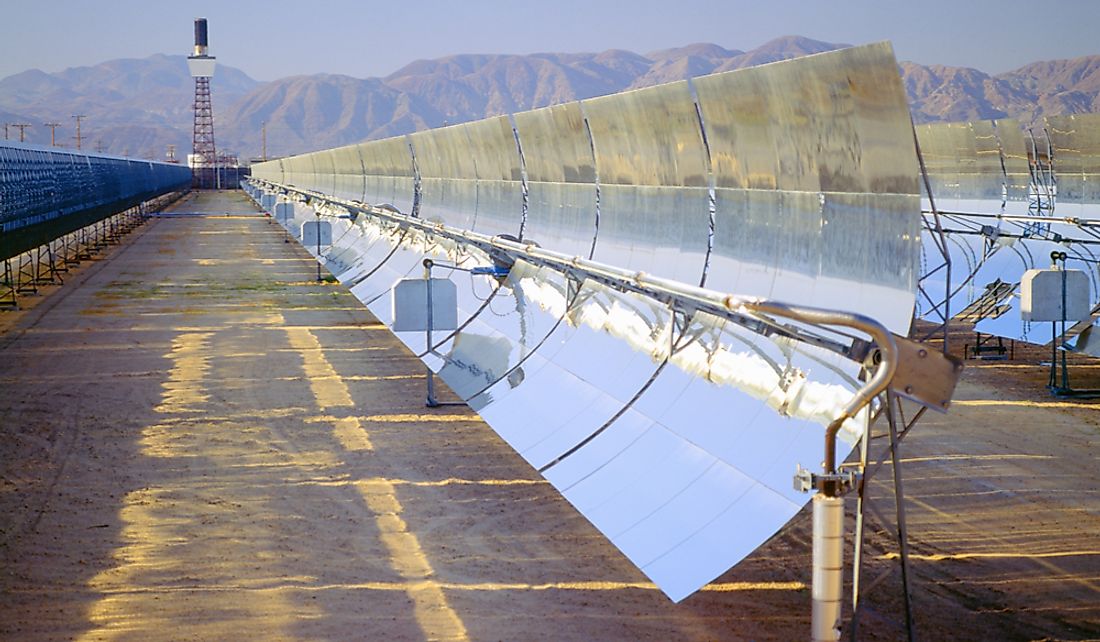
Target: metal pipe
[[660, 286], [318, 232], [428, 263], [899, 507], [1071, 220], [828, 567], [875, 386]]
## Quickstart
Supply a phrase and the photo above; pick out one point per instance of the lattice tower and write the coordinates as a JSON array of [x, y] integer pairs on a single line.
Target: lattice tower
[[202, 141]]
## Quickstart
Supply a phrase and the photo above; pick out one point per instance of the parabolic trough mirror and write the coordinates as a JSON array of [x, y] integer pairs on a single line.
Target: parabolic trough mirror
[[675, 431], [1007, 199]]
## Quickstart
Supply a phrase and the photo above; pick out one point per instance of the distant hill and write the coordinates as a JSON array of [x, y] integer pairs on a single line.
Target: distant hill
[[132, 105], [140, 106], [321, 111]]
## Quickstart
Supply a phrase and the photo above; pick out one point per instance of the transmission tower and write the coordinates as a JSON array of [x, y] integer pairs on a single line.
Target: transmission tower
[[204, 166]]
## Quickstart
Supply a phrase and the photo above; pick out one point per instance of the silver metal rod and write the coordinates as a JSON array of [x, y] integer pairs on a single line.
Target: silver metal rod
[[318, 232], [667, 289], [875, 386], [431, 402], [857, 548], [899, 507], [940, 240], [1025, 218]]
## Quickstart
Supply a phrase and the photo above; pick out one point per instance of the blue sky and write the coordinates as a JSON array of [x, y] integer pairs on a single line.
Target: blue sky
[[275, 38]]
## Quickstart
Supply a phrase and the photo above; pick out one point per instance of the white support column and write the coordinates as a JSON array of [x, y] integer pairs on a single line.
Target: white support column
[[828, 561]]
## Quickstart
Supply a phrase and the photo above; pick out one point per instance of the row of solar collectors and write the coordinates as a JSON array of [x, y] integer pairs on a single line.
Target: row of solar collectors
[[674, 436], [973, 164], [47, 192], [991, 168], [816, 203]]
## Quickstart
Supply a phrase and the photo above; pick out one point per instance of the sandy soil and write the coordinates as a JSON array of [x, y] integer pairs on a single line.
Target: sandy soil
[[199, 442]]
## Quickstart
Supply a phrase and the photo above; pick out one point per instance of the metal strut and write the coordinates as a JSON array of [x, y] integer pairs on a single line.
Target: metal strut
[[47, 272], [939, 239], [897, 429], [26, 280], [429, 264], [7, 287]]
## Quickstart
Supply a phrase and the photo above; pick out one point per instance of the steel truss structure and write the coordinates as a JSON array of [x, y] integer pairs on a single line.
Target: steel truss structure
[[23, 274], [202, 139]]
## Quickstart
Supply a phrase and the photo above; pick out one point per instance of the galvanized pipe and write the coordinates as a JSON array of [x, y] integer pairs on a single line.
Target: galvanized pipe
[[876, 385], [669, 288], [828, 562]]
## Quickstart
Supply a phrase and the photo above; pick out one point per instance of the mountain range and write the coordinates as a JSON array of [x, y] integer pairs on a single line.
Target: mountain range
[[139, 106]]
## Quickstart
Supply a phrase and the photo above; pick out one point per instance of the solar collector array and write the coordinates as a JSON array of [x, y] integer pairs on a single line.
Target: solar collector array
[[982, 168], [677, 437], [47, 192]]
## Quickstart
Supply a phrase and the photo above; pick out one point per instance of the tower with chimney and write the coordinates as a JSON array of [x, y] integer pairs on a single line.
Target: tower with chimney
[[203, 159]]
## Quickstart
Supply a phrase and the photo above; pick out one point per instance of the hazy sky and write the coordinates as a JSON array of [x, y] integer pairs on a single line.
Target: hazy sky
[[273, 38]]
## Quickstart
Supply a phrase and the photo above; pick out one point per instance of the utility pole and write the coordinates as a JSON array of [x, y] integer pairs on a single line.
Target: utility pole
[[263, 134], [53, 131], [22, 130], [6, 125], [78, 137], [99, 145]]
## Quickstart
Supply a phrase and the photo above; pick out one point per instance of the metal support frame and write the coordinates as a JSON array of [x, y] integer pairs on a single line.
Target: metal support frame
[[70, 245], [47, 272], [44, 264], [941, 307], [749, 312], [317, 232], [982, 347], [202, 138], [430, 401], [111, 230], [1058, 383], [84, 249], [26, 278], [429, 264], [61, 263], [7, 287], [97, 241], [897, 428]]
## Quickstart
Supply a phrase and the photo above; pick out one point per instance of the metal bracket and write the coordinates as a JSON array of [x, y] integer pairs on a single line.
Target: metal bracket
[[839, 483], [925, 376]]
